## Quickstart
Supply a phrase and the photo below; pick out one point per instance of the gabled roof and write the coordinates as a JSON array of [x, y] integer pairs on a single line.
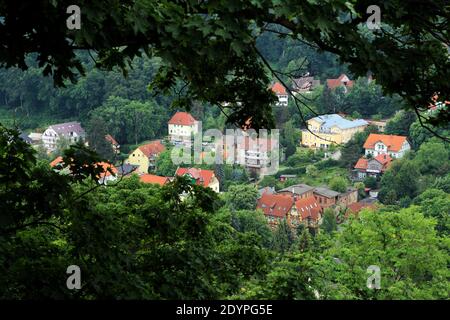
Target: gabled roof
[[276, 205], [111, 140], [328, 121], [182, 118], [126, 168], [393, 143], [334, 83], [105, 166], [328, 193], [25, 137], [297, 189], [384, 159], [362, 163], [279, 89], [308, 208], [150, 178], [67, 127], [202, 177], [152, 148]]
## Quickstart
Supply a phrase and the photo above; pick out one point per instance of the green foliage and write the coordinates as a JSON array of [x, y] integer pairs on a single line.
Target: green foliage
[[436, 204], [433, 157], [164, 164], [370, 182], [329, 224], [338, 184], [241, 197]]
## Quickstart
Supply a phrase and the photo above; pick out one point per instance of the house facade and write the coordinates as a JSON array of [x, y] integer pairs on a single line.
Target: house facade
[[182, 127], [304, 84], [71, 131], [330, 129], [372, 166], [255, 153], [281, 93], [201, 177], [144, 157], [394, 146]]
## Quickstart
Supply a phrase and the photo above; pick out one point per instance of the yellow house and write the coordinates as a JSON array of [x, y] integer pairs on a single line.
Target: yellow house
[[330, 129], [145, 156]]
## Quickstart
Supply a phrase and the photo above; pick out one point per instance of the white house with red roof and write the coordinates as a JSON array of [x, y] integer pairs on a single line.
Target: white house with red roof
[[182, 126], [394, 146], [201, 177], [281, 93]]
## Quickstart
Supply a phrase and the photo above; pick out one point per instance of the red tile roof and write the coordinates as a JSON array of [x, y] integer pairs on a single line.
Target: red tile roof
[[276, 205], [182, 118], [111, 140], [151, 178], [202, 177], [356, 207], [334, 83], [308, 207], [57, 161], [153, 148], [361, 164], [393, 143], [105, 166], [384, 159], [279, 89]]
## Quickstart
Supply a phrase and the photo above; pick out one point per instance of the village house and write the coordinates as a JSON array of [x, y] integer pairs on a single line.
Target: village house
[[374, 167], [114, 144], [182, 127], [342, 82], [277, 207], [281, 93], [298, 191], [153, 179], [71, 131], [201, 177], [255, 153], [330, 129], [394, 146], [325, 197], [145, 156], [304, 84], [109, 172], [379, 124]]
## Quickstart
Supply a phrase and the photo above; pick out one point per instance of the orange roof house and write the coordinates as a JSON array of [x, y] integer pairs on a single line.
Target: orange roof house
[[182, 118], [343, 80], [394, 143], [111, 140], [279, 89], [275, 205], [152, 148], [144, 157], [151, 178], [308, 208], [202, 177]]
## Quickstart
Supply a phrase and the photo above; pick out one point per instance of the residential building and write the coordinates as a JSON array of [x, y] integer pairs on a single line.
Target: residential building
[[298, 191], [325, 197], [278, 207], [108, 173], [153, 179], [114, 144], [201, 177], [348, 197], [372, 166], [71, 131], [255, 153], [380, 124], [268, 190], [24, 136], [182, 128], [145, 156], [304, 84], [330, 129], [394, 146], [281, 93], [342, 82], [126, 169]]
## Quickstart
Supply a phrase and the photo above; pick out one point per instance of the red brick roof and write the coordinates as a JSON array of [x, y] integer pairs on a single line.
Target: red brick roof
[[182, 118], [276, 205], [202, 177], [308, 207], [111, 140], [279, 89], [393, 143], [334, 83], [151, 178], [153, 148], [361, 164]]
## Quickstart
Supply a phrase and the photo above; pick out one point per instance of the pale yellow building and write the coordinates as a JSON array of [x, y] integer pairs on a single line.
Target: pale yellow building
[[330, 129], [145, 156]]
